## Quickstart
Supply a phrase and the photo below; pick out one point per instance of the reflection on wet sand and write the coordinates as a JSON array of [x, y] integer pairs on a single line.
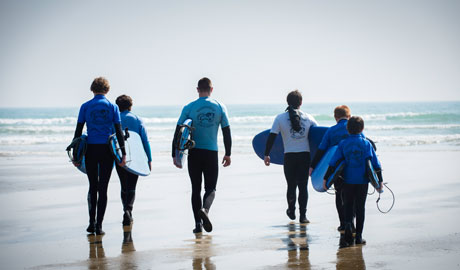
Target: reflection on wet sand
[[350, 258], [297, 246], [97, 258], [128, 244], [202, 252]]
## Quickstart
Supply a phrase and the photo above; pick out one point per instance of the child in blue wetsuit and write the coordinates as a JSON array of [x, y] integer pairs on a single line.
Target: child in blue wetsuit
[[128, 181], [101, 118], [332, 137], [355, 150], [207, 115]]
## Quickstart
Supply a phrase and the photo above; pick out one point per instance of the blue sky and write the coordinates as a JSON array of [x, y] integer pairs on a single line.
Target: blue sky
[[253, 51]]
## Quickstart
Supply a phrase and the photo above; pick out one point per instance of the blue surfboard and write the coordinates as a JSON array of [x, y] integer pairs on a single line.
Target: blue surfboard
[[184, 142], [136, 158], [371, 175], [76, 152], [315, 135], [318, 173]]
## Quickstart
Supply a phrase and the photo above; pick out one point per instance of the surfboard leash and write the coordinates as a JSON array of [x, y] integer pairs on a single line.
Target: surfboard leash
[[392, 204]]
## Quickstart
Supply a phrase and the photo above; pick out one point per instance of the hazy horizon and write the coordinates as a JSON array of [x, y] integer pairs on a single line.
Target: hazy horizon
[[254, 52]]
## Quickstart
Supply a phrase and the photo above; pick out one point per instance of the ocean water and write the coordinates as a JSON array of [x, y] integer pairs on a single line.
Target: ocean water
[[394, 126]]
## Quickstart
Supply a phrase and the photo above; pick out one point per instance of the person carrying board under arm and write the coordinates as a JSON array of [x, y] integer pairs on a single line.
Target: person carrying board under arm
[[101, 117], [294, 126], [206, 114], [128, 180]]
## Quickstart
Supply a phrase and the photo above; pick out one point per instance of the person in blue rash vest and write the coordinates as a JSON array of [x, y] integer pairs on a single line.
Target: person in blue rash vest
[[128, 181], [294, 126], [206, 114], [101, 117], [332, 137], [355, 150]]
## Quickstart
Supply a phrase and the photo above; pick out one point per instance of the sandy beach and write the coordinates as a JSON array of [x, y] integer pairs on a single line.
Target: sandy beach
[[45, 217]]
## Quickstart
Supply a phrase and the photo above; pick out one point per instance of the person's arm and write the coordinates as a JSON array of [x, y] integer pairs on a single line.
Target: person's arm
[[78, 130], [271, 140], [228, 146], [175, 137], [268, 147]]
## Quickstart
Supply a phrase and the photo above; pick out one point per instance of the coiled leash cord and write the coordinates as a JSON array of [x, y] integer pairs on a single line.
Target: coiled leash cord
[[392, 204]]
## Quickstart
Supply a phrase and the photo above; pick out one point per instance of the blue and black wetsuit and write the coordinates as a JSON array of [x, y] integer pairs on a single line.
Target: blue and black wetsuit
[[355, 150], [206, 114], [101, 118], [128, 181]]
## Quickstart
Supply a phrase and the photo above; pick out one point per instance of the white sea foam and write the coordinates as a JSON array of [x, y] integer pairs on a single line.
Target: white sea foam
[[38, 121]]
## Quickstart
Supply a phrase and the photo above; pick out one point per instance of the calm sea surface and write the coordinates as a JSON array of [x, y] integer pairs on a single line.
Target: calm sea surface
[[408, 126]]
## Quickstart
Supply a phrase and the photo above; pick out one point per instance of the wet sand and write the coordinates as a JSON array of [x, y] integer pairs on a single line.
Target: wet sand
[[44, 217]]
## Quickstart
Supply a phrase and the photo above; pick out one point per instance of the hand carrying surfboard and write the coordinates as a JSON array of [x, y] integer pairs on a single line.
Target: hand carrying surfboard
[[184, 142], [76, 152]]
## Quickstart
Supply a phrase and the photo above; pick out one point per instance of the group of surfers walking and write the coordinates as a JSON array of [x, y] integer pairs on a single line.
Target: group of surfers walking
[[103, 118]]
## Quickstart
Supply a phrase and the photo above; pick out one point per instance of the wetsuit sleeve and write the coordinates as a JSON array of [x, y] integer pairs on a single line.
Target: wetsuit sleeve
[[145, 140], [375, 161], [269, 144], [227, 140], [78, 130], [318, 156], [120, 138], [176, 134]]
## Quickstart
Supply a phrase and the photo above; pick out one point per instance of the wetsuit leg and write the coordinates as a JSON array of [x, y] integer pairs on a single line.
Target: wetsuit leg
[[348, 194], [303, 164], [339, 204], [91, 163], [290, 170], [99, 163], [360, 203], [128, 182], [210, 173], [195, 171]]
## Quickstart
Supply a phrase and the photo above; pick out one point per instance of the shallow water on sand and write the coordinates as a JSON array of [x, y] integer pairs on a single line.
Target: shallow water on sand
[[45, 220]]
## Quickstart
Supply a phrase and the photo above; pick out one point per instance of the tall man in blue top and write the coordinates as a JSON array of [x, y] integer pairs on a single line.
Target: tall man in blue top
[[206, 114]]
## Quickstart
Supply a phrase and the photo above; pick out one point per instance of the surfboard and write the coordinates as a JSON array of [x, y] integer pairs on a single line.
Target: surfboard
[[277, 151], [335, 176], [315, 135], [136, 158], [318, 173], [371, 175], [184, 142], [76, 152]]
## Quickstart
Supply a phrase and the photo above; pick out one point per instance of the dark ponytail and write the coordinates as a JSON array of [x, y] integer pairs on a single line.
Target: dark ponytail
[[294, 117], [294, 100]]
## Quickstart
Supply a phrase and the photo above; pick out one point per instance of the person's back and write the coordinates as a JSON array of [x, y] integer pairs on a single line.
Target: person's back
[[99, 114], [294, 141], [206, 114], [356, 150], [128, 180]]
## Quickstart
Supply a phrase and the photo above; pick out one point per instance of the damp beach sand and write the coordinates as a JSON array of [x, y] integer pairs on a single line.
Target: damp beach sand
[[44, 216]]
